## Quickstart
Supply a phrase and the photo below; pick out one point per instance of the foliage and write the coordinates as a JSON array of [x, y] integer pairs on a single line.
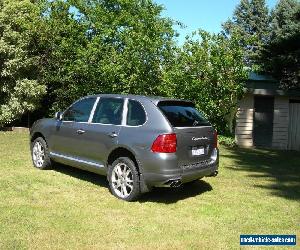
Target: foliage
[[104, 46], [208, 70], [251, 21], [285, 19], [282, 54], [74, 48], [227, 141], [20, 88]]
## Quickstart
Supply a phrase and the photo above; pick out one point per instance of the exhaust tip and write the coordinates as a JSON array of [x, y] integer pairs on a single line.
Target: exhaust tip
[[215, 173], [176, 183], [173, 183]]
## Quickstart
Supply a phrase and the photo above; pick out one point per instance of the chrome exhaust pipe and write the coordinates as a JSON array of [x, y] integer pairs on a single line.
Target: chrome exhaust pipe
[[176, 183], [215, 173], [173, 183]]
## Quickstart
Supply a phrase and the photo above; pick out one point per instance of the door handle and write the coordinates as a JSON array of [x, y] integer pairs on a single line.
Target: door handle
[[113, 134], [80, 131]]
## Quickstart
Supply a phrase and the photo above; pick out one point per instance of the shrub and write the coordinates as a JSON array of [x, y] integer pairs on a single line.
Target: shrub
[[228, 141]]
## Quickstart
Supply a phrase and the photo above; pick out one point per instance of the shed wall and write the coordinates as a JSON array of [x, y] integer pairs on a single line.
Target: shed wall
[[281, 122], [244, 121], [294, 126]]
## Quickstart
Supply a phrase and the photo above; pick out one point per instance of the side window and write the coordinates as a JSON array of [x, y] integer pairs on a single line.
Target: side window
[[80, 111], [136, 114], [109, 111]]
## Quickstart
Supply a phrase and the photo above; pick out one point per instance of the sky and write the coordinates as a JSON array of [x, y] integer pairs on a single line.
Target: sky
[[204, 14]]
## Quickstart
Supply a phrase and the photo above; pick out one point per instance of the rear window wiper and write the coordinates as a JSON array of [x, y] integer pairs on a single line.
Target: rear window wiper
[[195, 123]]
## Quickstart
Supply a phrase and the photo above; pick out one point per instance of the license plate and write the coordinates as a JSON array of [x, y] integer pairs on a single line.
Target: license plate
[[198, 151]]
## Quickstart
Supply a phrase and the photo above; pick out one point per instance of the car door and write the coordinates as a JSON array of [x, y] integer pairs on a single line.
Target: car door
[[101, 134], [67, 136]]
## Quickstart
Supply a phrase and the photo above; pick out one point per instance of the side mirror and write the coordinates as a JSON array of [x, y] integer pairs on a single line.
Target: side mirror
[[58, 116]]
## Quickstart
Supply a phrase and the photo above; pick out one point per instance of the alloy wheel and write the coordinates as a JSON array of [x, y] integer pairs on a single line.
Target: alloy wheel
[[122, 180], [38, 154]]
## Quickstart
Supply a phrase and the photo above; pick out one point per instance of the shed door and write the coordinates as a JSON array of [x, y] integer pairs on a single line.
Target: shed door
[[263, 121], [294, 126]]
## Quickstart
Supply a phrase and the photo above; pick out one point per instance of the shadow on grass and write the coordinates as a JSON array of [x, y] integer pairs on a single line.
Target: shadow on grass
[[283, 168], [96, 179], [160, 195], [172, 195]]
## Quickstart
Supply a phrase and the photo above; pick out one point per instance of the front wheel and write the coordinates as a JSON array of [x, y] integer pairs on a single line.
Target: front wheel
[[40, 154], [123, 179]]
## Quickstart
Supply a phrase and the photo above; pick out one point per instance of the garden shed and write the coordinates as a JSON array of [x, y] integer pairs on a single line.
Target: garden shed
[[268, 116]]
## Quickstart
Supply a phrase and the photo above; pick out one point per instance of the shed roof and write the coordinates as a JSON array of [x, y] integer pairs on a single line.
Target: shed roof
[[267, 85]]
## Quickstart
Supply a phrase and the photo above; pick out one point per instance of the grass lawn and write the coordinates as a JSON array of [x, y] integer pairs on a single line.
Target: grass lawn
[[256, 192]]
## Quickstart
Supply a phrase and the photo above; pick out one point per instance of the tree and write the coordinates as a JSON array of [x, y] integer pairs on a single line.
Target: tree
[[285, 19], [116, 46], [209, 70], [20, 88], [251, 21], [74, 48], [282, 53]]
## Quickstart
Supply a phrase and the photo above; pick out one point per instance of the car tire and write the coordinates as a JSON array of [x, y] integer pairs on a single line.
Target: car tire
[[123, 179], [40, 154]]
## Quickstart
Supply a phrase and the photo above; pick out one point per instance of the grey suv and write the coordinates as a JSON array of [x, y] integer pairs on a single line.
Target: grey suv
[[139, 142]]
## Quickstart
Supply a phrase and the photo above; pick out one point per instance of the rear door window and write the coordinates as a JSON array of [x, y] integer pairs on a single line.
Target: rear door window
[[136, 115], [182, 114], [109, 111]]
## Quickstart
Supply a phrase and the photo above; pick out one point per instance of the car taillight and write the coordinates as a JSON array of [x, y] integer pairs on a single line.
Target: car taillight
[[215, 145], [166, 143]]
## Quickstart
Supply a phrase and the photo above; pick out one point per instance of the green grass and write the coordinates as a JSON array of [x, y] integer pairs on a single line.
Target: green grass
[[256, 192]]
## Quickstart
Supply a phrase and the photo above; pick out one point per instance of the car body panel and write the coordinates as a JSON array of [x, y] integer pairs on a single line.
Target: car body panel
[[194, 138]]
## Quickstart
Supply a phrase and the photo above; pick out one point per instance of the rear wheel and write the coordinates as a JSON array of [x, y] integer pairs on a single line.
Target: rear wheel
[[40, 154], [124, 179]]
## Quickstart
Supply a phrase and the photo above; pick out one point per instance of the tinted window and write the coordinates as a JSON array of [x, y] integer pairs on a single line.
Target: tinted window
[[80, 111], [109, 111], [182, 114], [136, 114]]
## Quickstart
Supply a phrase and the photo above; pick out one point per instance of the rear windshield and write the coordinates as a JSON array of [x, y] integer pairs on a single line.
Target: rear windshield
[[182, 114]]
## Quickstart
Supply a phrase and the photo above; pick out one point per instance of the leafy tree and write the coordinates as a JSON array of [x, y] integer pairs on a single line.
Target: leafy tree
[[251, 21], [80, 47], [20, 88], [209, 70], [116, 46], [282, 53]]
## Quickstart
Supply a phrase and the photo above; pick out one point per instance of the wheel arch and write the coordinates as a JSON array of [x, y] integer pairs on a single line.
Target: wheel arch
[[123, 152], [36, 135]]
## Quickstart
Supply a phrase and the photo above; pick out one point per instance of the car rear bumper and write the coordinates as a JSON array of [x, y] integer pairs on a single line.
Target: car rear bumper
[[180, 174]]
